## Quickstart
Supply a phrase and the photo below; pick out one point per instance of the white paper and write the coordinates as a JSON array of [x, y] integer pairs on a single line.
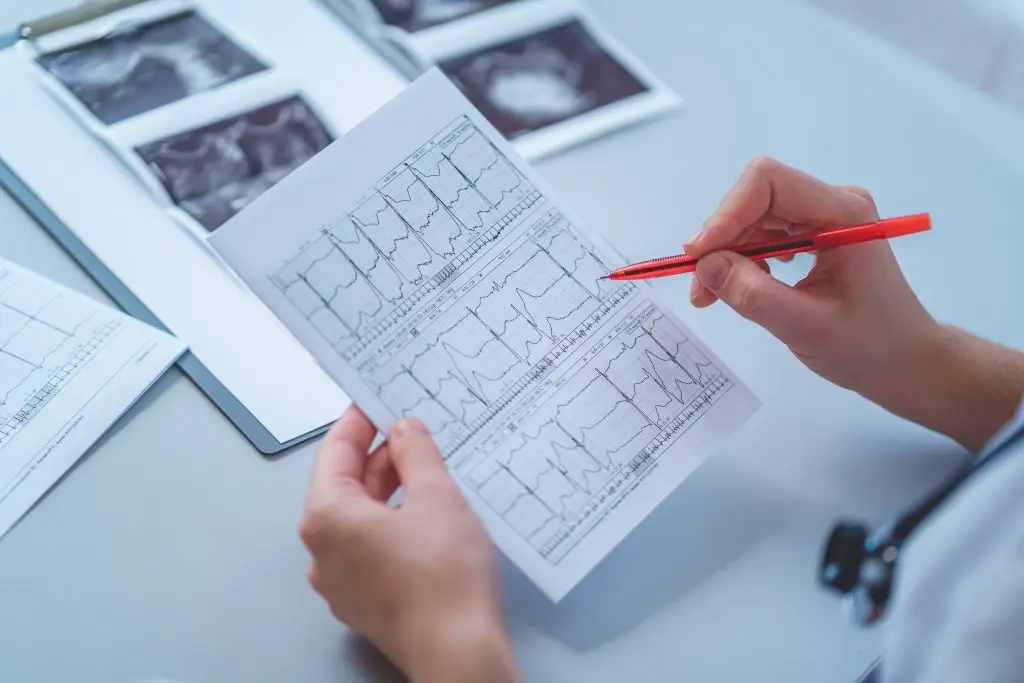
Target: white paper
[[432, 273], [69, 368]]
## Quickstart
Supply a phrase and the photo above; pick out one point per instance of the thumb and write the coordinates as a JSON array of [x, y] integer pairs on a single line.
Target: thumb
[[415, 456], [791, 315]]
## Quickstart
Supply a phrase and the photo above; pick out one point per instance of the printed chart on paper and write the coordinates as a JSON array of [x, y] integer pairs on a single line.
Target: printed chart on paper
[[69, 368], [464, 298], [47, 337]]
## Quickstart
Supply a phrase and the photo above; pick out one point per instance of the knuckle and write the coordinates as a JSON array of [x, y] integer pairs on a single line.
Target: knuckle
[[859, 191], [865, 202], [762, 165], [328, 531]]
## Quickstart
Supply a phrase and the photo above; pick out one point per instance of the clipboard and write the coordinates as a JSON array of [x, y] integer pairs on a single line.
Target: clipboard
[[226, 402]]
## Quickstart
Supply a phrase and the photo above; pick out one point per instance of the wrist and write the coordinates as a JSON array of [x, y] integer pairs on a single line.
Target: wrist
[[959, 385], [983, 388], [463, 649]]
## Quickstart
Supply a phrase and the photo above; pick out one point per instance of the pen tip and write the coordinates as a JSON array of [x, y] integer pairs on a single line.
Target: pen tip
[[605, 277]]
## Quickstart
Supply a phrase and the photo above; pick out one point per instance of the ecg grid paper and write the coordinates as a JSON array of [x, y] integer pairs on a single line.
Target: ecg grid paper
[[40, 352], [69, 368], [454, 290]]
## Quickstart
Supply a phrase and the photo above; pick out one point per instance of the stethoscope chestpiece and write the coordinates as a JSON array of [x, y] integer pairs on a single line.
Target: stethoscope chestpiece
[[843, 557], [860, 567]]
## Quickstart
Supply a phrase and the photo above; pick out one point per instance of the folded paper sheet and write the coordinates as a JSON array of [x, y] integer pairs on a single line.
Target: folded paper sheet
[[69, 368]]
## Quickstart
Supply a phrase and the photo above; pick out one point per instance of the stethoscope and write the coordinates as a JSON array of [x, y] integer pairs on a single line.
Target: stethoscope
[[860, 564]]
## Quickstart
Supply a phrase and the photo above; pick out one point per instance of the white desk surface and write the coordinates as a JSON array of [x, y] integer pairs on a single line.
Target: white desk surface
[[172, 550]]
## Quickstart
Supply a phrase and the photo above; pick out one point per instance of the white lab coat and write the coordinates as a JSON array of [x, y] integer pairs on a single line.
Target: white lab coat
[[958, 611]]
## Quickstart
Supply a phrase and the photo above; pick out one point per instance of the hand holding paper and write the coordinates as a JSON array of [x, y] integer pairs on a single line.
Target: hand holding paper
[[419, 581]]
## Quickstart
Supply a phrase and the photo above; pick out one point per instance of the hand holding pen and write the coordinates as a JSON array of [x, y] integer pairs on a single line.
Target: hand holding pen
[[853, 319]]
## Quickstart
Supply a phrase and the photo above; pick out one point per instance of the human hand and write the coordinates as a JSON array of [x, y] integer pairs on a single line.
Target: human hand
[[854, 319], [420, 580]]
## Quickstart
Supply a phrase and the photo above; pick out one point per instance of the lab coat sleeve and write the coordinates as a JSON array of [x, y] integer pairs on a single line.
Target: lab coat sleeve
[[958, 615]]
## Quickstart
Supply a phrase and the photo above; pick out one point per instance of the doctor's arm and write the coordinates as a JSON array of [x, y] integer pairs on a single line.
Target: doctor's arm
[[854, 319]]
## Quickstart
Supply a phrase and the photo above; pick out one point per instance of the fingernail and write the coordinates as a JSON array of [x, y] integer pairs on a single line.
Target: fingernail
[[409, 425], [712, 270]]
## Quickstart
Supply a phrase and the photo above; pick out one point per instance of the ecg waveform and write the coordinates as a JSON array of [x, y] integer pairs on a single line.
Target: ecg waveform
[[419, 226], [549, 284], [524, 310], [608, 425], [44, 342]]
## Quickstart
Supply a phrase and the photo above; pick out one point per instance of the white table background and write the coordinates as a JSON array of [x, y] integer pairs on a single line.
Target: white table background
[[172, 549]]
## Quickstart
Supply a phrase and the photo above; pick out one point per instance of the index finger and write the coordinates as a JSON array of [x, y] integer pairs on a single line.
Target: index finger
[[341, 460], [768, 189]]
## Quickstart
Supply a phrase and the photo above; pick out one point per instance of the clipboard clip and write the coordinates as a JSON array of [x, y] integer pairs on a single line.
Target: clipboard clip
[[79, 14]]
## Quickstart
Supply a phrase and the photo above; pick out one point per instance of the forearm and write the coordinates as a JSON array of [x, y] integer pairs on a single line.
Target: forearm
[[960, 385]]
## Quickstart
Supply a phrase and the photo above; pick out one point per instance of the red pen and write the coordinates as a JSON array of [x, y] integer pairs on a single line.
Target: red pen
[[791, 244]]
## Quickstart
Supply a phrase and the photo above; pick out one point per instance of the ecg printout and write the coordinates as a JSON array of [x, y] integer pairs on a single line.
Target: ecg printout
[[429, 271], [69, 368]]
